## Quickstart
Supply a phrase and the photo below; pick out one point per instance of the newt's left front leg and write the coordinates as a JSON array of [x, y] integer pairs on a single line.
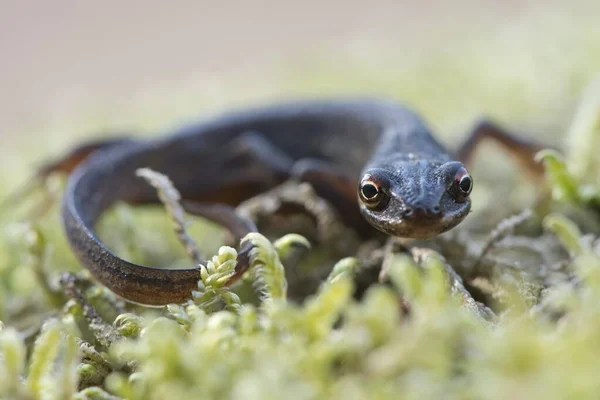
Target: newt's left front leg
[[523, 150]]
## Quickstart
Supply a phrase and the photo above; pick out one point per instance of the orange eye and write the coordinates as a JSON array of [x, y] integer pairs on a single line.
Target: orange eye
[[463, 181], [373, 192], [369, 191]]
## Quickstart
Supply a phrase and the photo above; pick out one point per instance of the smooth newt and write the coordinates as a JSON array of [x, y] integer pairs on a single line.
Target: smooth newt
[[369, 155]]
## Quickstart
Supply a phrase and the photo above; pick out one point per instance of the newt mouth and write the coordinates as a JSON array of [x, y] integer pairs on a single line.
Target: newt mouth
[[417, 223]]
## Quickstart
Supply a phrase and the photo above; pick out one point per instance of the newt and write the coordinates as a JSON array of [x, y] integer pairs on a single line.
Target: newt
[[374, 160]]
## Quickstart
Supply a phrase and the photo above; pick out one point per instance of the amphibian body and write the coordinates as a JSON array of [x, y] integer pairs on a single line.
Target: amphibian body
[[374, 156]]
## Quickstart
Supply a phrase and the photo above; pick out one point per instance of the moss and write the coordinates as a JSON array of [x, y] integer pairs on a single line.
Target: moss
[[506, 313]]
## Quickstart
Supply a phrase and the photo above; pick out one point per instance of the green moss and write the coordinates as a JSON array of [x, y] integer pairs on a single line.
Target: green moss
[[421, 335]]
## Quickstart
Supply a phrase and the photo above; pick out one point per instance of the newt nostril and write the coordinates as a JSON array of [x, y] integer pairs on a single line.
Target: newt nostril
[[421, 212]]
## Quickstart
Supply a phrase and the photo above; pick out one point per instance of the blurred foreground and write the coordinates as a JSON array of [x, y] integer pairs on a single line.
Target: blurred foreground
[[509, 313]]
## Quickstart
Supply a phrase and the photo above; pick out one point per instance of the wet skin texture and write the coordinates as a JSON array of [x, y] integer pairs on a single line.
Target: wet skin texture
[[376, 156]]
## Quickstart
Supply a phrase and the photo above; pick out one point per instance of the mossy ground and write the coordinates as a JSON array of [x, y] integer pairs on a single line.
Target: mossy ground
[[412, 338]]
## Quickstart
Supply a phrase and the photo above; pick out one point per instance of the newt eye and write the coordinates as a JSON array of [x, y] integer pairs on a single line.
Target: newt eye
[[463, 181], [373, 192], [369, 191]]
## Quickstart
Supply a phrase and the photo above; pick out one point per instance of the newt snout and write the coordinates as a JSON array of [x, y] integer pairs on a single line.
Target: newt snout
[[416, 199]]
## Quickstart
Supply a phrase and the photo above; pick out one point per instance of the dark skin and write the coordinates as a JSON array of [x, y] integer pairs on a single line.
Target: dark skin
[[375, 161]]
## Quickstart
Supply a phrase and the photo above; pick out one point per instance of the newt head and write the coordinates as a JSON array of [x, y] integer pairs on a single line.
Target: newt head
[[415, 199]]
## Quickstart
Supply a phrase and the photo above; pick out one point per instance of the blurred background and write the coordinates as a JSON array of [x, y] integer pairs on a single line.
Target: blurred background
[[72, 70]]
